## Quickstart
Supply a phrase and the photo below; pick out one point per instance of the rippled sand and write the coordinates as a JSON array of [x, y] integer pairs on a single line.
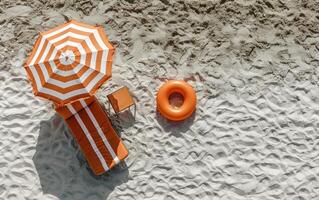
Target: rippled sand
[[253, 63]]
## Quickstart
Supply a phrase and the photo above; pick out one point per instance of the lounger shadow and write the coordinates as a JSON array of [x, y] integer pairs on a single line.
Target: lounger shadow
[[62, 169]]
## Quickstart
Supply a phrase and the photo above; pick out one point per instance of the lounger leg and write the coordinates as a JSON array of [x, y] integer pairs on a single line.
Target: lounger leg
[[134, 111]]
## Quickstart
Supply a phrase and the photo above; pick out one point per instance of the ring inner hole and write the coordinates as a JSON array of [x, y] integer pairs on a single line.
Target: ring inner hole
[[176, 100]]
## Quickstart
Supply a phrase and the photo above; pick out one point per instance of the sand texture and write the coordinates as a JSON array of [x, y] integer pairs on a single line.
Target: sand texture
[[254, 136]]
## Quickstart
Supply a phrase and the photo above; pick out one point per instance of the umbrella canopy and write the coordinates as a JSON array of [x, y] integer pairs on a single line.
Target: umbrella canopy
[[69, 62]]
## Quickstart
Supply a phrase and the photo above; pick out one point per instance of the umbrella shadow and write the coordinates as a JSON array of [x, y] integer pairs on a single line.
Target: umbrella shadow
[[62, 169], [175, 128]]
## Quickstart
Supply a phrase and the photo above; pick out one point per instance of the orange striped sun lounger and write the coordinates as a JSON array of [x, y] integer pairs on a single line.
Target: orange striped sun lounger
[[93, 131]]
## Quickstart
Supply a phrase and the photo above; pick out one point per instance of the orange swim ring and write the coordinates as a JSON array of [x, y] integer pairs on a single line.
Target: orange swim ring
[[179, 87]]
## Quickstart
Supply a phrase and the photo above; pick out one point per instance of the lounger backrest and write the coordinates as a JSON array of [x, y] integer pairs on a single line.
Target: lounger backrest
[[94, 133]]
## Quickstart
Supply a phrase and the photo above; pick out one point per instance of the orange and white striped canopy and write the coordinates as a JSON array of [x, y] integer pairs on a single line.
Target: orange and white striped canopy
[[70, 62]]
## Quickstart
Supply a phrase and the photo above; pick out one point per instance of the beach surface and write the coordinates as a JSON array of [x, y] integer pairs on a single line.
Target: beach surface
[[255, 135]]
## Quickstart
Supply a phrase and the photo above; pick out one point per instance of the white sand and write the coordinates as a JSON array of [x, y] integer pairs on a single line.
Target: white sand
[[254, 64]]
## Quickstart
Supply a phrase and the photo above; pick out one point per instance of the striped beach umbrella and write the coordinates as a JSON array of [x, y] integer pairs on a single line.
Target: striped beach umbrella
[[69, 62]]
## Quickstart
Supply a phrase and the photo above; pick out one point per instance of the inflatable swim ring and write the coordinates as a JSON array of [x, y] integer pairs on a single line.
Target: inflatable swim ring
[[179, 87]]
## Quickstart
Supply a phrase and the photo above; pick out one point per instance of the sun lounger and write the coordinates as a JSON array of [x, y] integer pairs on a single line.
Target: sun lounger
[[93, 131]]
